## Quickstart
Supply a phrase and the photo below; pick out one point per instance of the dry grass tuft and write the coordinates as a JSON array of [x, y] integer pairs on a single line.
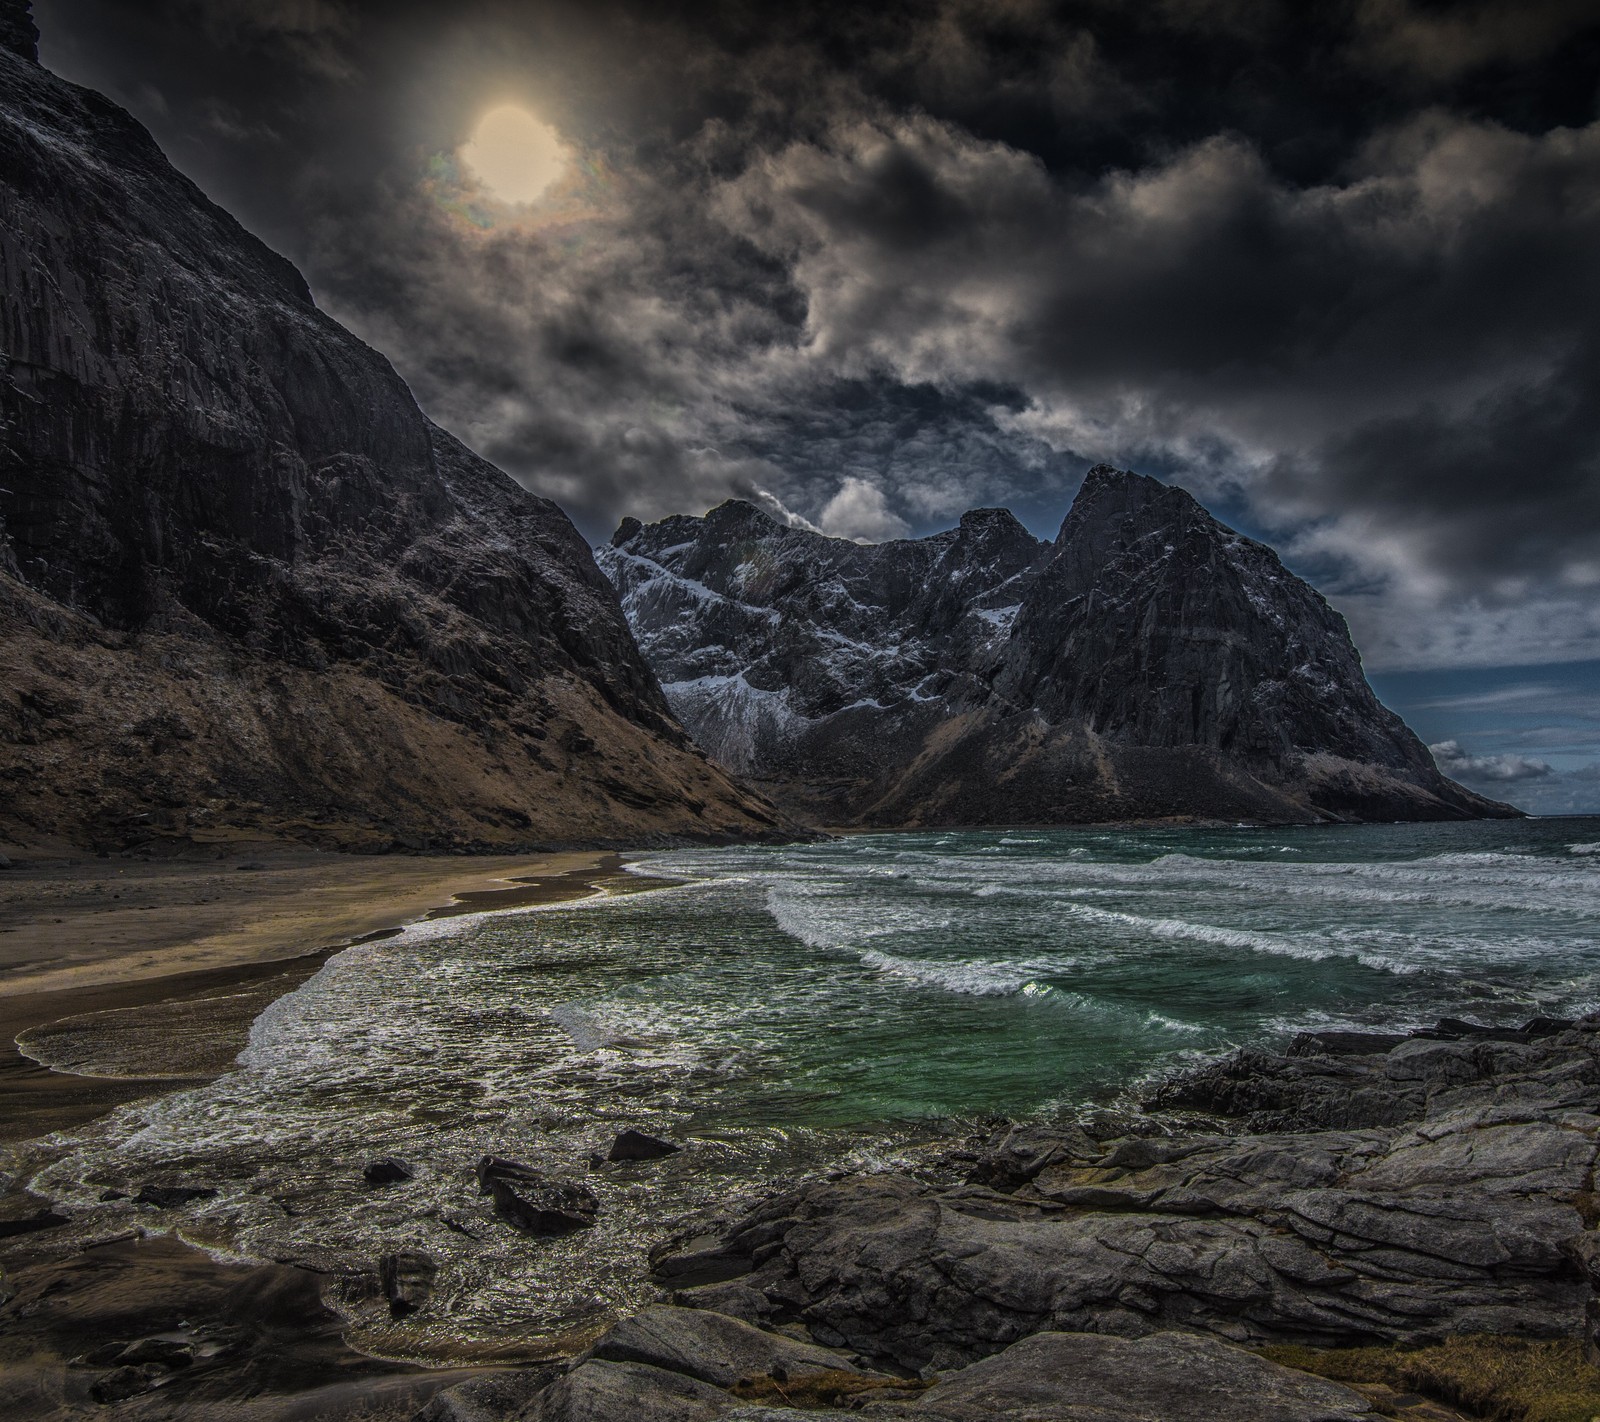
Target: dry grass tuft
[[1502, 1379]]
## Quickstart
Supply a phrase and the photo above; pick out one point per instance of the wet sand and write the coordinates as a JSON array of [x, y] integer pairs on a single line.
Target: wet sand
[[258, 1342]]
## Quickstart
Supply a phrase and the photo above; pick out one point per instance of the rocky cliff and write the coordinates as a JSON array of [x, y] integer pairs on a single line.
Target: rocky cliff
[[244, 583], [1149, 663]]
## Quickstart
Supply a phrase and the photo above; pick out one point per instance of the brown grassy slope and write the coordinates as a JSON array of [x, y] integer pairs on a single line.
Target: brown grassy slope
[[110, 740]]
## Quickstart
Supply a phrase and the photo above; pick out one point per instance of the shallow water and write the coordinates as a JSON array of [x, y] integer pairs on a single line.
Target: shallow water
[[796, 1008]]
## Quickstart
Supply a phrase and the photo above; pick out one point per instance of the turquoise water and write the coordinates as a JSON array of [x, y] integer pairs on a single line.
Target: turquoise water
[[786, 1009], [955, 973]]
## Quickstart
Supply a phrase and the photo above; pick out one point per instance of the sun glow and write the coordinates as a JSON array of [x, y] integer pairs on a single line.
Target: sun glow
[[514, 155]]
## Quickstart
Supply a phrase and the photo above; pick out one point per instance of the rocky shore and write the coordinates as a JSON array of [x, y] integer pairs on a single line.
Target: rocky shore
[[1357, 1192], [1357, 1189]]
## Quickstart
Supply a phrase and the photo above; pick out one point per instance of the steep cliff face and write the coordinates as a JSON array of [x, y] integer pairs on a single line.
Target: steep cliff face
[[244, 582], [811, 664], [1150, 663]]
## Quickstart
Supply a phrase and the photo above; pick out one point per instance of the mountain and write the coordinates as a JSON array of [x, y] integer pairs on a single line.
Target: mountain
[[1150, 663], [245, 584]]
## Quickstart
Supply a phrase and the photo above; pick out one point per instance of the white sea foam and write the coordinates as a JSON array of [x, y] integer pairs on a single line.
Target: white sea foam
[[1314, 950], [975, 977]]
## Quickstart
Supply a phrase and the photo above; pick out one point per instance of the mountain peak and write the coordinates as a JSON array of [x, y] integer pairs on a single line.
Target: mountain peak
[[1151, 663], [737, 512], [983, 519], [1109, 492]]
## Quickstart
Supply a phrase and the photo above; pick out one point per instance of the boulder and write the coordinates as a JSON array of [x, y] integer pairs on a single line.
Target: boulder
[[1085, 1377], [386, 1171], [491, 1398], [630, 1392], [636, 1145], [712, 1347], [533, 1202], [123, 1383]]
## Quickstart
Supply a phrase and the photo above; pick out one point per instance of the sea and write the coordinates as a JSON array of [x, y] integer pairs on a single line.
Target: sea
[[786, 1010]]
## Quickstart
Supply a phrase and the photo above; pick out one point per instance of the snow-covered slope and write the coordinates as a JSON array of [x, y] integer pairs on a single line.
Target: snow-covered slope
[[1149, 663]]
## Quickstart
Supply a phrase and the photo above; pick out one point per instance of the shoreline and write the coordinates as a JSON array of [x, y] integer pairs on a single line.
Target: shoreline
[[278, 1334], [1029, 1179], [334, 902]]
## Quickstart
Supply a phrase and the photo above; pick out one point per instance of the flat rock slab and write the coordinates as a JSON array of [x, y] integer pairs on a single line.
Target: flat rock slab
[[712, 1347], [1167, 1377], [1431, 1188], [629, 1392], [1050, 1377]]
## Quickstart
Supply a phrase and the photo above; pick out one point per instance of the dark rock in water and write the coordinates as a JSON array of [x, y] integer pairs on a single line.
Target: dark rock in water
[[1343, 1044], [1454, 1029], [498, 1167], [40, 1219], [546, 1206], [168, 1197], [406, 1278], [636, 1145], [532, 1201], [221, 512], [1149, 663], [387, 1171]]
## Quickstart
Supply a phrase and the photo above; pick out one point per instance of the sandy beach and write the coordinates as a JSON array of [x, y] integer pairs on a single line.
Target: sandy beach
[[172, 960]]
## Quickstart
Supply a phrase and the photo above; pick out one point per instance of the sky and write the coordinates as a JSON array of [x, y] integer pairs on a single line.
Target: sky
[[1333, 268]]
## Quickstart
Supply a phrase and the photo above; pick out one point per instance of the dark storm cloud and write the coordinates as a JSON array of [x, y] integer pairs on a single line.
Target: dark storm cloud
[[1330, 266]]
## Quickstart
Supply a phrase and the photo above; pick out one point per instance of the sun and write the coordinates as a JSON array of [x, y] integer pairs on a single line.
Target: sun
[[515, 155]]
